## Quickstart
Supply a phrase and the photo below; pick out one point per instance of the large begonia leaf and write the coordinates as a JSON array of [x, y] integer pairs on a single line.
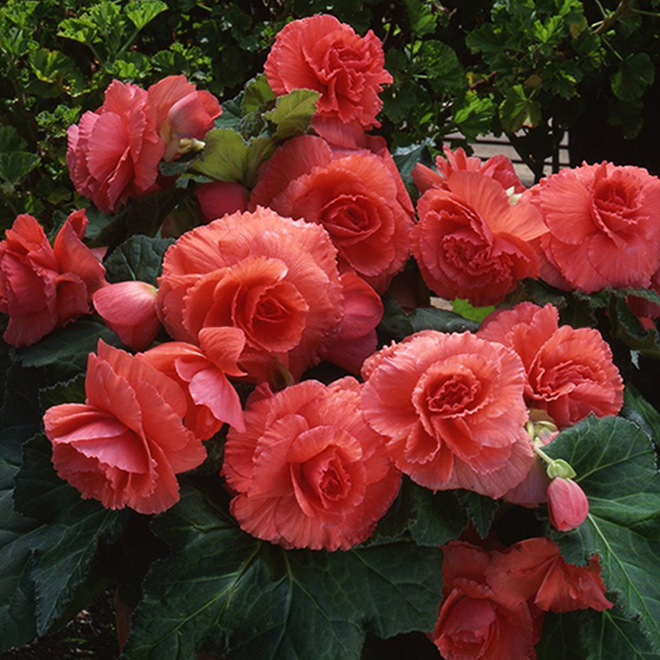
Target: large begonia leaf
[[442, 320], [432, 519], [615, 463], [225, 592], [64, 545], [138, 258], [407, 157], [591, 635], [18, 621], [639, 411], [395, 324], [480, 509], [63, 353]]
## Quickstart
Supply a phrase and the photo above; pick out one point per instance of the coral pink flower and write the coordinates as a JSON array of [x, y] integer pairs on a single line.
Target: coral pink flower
[[500, 168], [568, 506], [534, 570], [356, 339], [325, 55], [570, 372], [113, 153], [221, 198], [476, 621], [125, 445], [44, 287], [180, 111], [129, 310], [202, 373], [644, 309], [354, 195], [274, 278], [452, 409], [308, 472], [603, 226], [471, 243]]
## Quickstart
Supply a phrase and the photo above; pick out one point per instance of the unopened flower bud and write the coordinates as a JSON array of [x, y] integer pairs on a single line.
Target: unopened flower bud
[[129, 309], [567, 504]]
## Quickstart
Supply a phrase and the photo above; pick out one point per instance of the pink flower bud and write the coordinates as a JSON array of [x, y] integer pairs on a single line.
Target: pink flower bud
[[129, 309], [567, 504]]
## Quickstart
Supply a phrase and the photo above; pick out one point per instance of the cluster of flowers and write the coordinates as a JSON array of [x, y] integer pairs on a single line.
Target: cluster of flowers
[[291, 275]]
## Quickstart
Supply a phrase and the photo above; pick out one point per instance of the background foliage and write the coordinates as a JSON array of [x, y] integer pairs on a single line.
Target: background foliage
[[529, 69]]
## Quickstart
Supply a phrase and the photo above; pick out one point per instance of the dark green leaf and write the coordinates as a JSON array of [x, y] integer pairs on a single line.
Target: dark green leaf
[[64, 548], [102, 227], [437, 517], [561, 639], [608, 635], [591, 635], [479, 508], [633, 78], [139, 258], [627, 327], [639, 411], [15, 166], [616, 467], [443, 68], [432, 518], [10, 140], [64, 352], [518, 110], [395, 324], [233, 595], [17, 608], [407, 157], [433, 318], [70, 391]]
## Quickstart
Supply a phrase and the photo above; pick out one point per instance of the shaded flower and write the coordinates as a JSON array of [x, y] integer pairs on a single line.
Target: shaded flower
[[44, 287], [570, 372], [220, 198], [499, 168], [113, 153], [125, 445], [470, 242], [477, 621], [534, 570]]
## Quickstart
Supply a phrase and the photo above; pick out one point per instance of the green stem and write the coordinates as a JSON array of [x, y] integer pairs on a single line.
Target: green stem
[[643, 12], [539, 452], [613, 17]]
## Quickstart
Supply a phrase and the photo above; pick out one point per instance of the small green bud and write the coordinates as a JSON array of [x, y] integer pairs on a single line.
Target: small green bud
[[560, 468]]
